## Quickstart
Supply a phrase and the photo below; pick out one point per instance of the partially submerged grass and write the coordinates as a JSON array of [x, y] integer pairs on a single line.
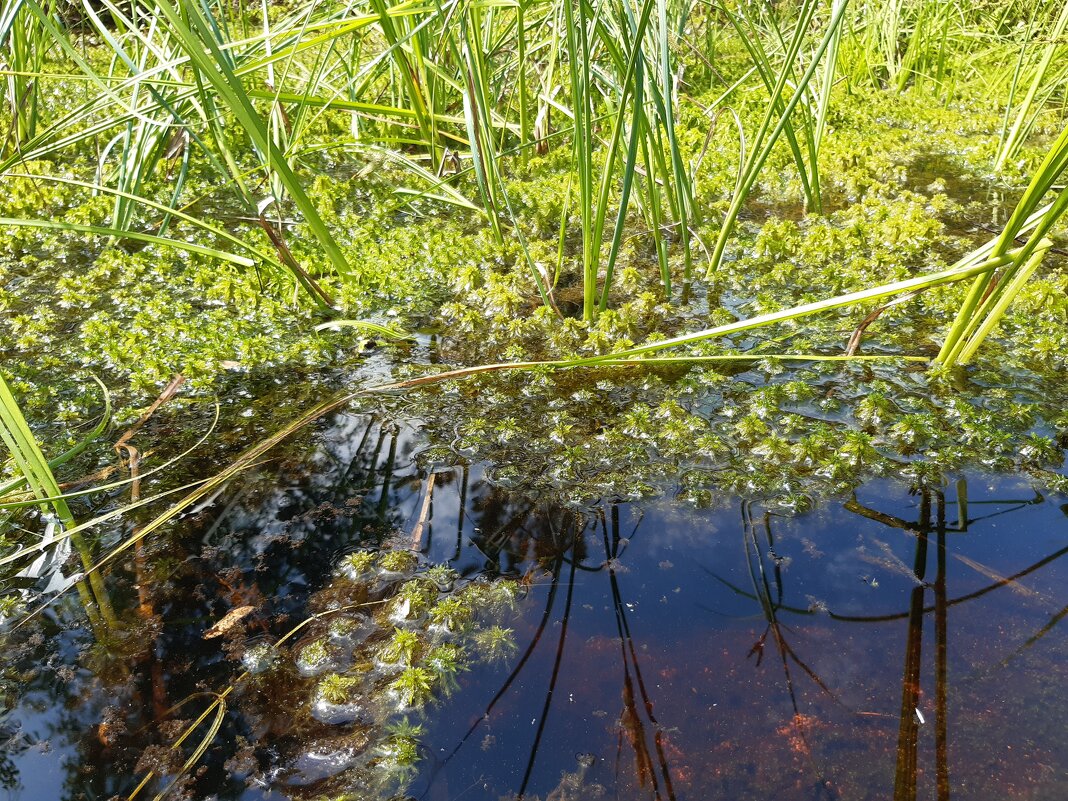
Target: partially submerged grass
[[240, 115], [226, 95]]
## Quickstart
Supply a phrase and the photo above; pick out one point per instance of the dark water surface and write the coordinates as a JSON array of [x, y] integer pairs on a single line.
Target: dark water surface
[[889, 646]]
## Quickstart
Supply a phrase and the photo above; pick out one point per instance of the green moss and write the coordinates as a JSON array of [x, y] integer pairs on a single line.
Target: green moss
[[359, 563], [453, 613], [403, 648], [337, 689], [414, 687], [443, 576], [398, 561], [316, 656], [446, 662], [413, 600], [495, 644]]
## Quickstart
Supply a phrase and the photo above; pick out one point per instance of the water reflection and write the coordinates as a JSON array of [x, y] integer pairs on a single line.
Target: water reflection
[[897, 644]]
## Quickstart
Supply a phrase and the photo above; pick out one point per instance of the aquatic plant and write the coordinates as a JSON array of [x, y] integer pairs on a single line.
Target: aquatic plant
[[413, 600], [359, 564], [398, 561], [452, 613], [447, 661], [336, 688], [442, 576], [179, 92], [413, 687], [401, 751], [316, 657], [495, 643], [36, 474], [259, 658], [1046, 77], [404, 648], [994, 290]]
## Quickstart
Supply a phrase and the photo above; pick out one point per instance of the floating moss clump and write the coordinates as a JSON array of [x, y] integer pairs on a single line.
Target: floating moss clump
[[452, 613], [491, 597], [414, 687], [400, 752], [447, 661], [259, 658], [316, 657], [403, 648], [495, 644], [398, 561], [413, 601], [358, 564], [417, 663], [336, 688], [443, 576], [342, 627]]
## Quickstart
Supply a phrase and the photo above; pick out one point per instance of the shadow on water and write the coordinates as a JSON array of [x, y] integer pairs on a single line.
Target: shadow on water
[[896, 645]]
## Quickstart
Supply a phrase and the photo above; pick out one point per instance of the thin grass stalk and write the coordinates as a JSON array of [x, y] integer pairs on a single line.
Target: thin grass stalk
[[985, 312], [750, 36], [654, 204], [632, 84], [476, 111], [830, 66], [1017, 74], [196, 35], [583, 143], [628, 182], [49, 142], [406, 71], [992, 312], [684, 197], [19, 88], [765, 141], [78, 448], [1027, 113], [469, 52], [521, 78]]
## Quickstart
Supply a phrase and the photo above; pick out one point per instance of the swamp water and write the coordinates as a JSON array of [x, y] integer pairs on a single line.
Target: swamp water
[[577, 621], [894, 644]]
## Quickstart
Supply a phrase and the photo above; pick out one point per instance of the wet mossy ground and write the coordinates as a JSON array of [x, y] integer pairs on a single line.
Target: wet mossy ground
[[907, 188]]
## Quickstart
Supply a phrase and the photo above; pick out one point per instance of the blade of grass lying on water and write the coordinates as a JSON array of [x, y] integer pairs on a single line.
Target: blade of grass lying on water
[[385, 332], [112, 485], [151, 239]]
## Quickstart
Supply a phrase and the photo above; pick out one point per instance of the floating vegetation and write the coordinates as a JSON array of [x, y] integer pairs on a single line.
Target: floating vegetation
[[585, 255], [371, 679]]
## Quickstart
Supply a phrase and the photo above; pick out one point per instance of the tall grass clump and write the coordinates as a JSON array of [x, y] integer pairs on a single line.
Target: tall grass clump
[[23, 49], [787, 89], [1047, 76], [992, 292], [457, 93]]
